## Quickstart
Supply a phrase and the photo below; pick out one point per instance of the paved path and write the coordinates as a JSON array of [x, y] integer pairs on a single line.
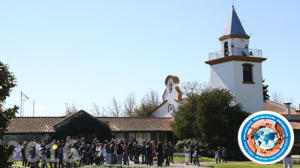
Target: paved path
[[202, 164]]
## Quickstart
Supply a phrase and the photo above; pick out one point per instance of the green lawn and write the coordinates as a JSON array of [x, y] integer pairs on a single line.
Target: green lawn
[[202, 159], [247, 164], [176, 160]]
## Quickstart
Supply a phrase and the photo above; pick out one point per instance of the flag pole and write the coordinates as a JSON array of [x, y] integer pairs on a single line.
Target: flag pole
[[21, 105], [33, 109]]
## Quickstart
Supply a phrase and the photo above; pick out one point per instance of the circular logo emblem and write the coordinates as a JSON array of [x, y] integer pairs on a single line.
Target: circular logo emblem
[[266, 137]]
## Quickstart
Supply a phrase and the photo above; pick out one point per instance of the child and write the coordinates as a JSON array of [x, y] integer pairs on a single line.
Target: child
[[217, 156]]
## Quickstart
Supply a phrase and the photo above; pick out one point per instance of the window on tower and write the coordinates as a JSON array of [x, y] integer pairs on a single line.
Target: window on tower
[[247, 73], [226, 51], [170, 87]]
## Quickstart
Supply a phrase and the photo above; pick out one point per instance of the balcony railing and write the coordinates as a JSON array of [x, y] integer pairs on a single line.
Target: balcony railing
[[236, 52]]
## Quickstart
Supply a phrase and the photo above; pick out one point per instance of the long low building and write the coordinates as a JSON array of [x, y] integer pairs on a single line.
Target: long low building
[[141, 128]]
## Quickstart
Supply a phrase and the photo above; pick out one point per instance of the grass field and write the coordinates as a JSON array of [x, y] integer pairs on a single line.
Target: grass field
[[176, 160], [202, 159], [247, 165]]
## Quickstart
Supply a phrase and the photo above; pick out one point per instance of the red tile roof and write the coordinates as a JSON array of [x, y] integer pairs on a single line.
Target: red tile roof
[[279, 108], [295, 125], [33, 124], [45, 124]]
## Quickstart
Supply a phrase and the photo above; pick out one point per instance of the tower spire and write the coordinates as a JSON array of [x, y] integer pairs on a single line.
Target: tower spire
[[234, 26]]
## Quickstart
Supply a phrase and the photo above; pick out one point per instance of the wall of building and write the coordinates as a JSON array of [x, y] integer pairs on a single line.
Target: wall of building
[[20, 138], [145, 136], [229, 75]]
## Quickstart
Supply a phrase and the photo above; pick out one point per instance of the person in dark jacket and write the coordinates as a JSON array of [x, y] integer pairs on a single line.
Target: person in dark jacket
[[112, 150], [60, 152], [224, 155], [166, 153], [160, 154], [136, 151], [171, 152], [119, 153], [143, 152], [149, 154], [24, 163], [130, 146], [192, 150]]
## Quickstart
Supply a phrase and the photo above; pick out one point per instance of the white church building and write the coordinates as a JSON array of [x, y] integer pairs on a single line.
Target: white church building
[[237, 68]]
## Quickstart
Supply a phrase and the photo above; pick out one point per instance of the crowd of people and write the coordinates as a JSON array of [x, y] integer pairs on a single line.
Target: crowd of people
[[221, 155], [76, 152]]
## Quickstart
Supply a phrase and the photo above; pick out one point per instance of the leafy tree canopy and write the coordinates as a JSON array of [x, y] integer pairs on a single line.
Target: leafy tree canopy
[[7, 82], [265, 91], [212, 117]]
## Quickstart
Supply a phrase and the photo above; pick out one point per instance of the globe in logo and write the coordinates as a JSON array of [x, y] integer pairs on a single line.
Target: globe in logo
[[266, 137]]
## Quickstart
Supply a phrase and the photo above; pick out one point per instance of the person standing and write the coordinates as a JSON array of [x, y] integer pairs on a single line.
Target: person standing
[[149, 154], [220, 153], [171, 152], [112, 150], [125, 155], [108, 152], [287, 161], [143, 151], [186, 153], [217, 156], [192, 150], [24, 163], [160, 155], [136, 151], [196, 155], [119, 153], [60, 151], [224, 155], [130, 150], [44, 157], [166, 153]]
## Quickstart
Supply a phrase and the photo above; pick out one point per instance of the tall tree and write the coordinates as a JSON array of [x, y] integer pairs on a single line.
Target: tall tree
[[265, 91], [148, 104], [7, 82], [211, 117], [116, 109], [193, 87], [70, 109], [130, 105], [277, 97], [98, 111]]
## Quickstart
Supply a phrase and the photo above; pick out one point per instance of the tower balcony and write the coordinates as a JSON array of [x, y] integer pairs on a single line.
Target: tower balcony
[[233, 51]]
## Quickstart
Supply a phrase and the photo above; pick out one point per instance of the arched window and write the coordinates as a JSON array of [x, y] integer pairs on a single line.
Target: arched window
[[247, 73], [226, 51], [170, 87]]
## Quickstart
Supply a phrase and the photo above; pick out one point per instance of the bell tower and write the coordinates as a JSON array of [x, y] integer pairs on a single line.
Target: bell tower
[[237, 68]]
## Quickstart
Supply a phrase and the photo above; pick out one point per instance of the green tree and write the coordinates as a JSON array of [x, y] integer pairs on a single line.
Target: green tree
[[7, 82], [265, 91], [211, 117], [148, 104]]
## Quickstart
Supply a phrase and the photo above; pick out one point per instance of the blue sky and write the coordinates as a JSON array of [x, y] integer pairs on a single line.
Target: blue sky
[[85, 52]]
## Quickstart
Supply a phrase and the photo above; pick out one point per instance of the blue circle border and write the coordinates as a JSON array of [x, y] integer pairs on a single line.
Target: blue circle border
[[286, 132]]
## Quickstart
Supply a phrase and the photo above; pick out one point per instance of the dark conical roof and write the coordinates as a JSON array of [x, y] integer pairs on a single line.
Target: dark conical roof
[[234, 26]]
